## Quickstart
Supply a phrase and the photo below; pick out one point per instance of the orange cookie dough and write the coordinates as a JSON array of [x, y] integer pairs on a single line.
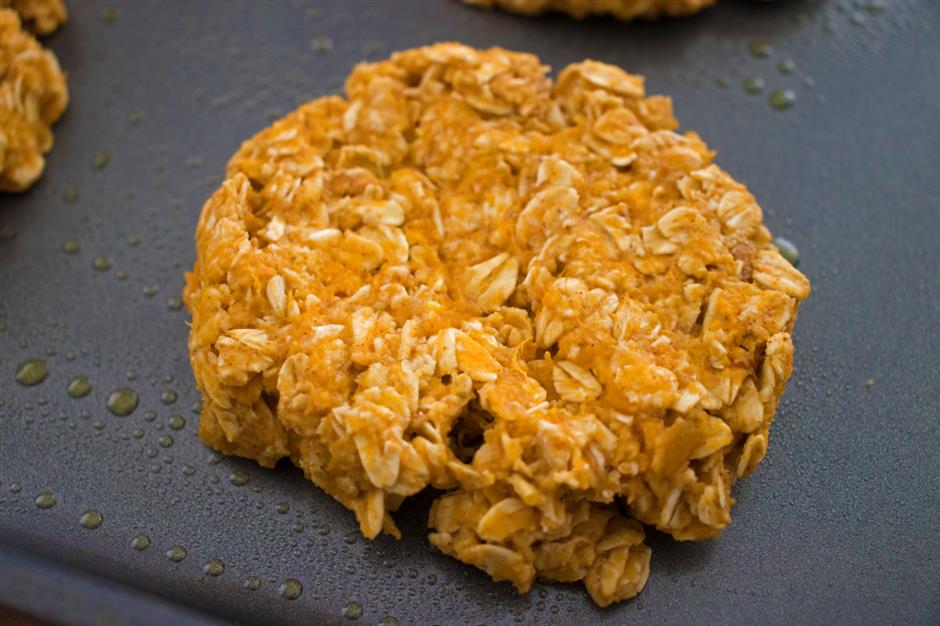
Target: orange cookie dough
[[534, 295], [621, 9], [40, 17], [33, 95]]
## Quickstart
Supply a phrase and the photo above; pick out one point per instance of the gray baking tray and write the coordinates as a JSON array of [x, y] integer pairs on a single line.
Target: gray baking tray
[[839, 525]]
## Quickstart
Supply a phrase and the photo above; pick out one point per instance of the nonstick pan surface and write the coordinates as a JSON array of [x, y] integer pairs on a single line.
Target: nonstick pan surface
[[840, 524]]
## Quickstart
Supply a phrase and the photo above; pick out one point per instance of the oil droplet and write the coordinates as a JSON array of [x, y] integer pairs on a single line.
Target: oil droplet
[[781, 99], [71, 246], [786, 66], [788, 250], [91, 519], [45, 500], [760, 48], [138, 433], [874, 7], [141, 542], [120, 275], [283, 508], [298, 527], [188, 470], [98, 424], [150, 415], [101, 263], [238, 478], [215, 567], [16, 487], [71, 193], [321, 45], [753, 84], [79, 387], [165, 441], [151, 453], [253, 583], [122, 401], [150, 290], [176, 554], [101, 160], [31, 372], [134, 240], [168, 397], [174, 304], [388, 620], [108, 15], [352, 610], [177, 422], [70, 356], [290, 589]]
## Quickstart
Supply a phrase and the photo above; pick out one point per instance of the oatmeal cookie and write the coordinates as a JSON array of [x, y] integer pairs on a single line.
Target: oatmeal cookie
[[621, 9], [33, 95], [40, 17], [534, 295]]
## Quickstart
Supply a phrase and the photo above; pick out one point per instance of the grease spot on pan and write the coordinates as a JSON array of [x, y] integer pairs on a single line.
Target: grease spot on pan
[[101, 263], [176, 554], [79, 387], [91, 519], [122, 401], [31, 372], [290, 589], [352, 611], [45, 500]]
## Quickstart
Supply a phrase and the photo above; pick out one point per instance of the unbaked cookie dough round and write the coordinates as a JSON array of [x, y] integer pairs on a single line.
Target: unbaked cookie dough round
[[33, 95], [621, 9], [533, 295]]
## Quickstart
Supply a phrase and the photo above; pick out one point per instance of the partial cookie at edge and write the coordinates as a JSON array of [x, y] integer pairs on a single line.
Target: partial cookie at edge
[[33, 95]]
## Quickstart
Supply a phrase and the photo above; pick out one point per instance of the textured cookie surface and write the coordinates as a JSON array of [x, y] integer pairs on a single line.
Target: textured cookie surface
[[621, 9], [535, 296], [33, 95], [39, 17]]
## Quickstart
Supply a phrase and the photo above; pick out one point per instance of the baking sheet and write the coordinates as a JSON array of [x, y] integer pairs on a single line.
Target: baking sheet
[[838, 525]]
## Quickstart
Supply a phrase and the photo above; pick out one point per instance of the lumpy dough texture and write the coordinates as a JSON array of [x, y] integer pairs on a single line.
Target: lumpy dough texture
[[621, 9], [535, 296], [40, 17], [33, 95]]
